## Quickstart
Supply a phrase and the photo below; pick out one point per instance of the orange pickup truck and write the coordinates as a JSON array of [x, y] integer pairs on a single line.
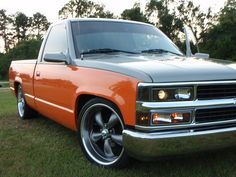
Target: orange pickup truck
[[127, 90]]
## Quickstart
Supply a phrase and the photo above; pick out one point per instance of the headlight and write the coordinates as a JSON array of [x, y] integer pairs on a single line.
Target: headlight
[[172, 94], [183, 94], [161, 94], [155, 116]]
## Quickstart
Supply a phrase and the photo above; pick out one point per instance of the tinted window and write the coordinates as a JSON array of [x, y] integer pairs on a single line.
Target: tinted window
[[56, 42], [89, 35]]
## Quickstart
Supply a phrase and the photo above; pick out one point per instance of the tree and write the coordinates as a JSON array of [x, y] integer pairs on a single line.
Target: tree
[[164, 18], [135, 14], [5, 31], [83, 8], [25, 49], [21, 24], [39, 24], [192, 16], [220, 41]]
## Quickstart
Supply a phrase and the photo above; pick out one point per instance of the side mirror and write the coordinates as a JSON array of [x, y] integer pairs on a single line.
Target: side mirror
[[201, 55], [55, 57], [190, 39]]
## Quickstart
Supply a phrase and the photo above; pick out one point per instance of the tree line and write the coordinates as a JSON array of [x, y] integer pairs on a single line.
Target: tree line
[[215, 31], [21, 36], [19, 27]]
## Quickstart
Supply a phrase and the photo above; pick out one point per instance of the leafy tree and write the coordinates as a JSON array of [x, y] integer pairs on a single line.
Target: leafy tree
[[83, 8], [39, 24], [220, 41], [21, 24], [171, 16], [5, 31], [192, 16], [164, 17], [99, 12], [27, 49], [135, 14]]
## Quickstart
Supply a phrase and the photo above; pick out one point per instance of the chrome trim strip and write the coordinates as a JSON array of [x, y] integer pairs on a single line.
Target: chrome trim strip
[[54, 105], [175, 134], [49, 103], [186, 104], [30, 96], [187, 83]]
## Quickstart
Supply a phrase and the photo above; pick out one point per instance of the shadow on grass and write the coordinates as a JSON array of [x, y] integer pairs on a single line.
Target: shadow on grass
[[201, 163], [57, 153]]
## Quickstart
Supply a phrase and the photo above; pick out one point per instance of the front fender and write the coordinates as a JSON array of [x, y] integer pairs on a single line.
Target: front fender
[[117, 88]]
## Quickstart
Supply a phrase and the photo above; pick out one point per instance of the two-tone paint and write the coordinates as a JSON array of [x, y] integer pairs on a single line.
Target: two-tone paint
[[56, 93], [59, 90]]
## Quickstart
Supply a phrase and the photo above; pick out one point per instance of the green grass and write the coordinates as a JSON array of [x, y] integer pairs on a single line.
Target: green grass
[[7, 103], [41, 148]]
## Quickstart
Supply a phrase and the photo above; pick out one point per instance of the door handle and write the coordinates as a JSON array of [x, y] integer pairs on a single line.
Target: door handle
[[37, 73]]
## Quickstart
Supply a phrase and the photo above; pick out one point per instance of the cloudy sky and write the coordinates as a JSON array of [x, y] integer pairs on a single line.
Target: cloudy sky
[[50, 8]]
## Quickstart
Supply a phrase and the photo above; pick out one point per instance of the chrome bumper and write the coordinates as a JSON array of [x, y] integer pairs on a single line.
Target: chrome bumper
[[147, 146]]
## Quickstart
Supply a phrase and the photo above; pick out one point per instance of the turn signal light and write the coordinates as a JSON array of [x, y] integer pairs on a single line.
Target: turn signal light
[[171, 118], [143, 119]]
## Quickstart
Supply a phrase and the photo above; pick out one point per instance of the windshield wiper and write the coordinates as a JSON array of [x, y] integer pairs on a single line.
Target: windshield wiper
[[159, 51], [105, 50]]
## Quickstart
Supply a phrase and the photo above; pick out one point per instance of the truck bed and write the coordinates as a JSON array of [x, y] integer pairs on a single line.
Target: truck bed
[[22, 71]]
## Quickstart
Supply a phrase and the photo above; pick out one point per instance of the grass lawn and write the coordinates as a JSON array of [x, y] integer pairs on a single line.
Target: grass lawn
[[42, 148]]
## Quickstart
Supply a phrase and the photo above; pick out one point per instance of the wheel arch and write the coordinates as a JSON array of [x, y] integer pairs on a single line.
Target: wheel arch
[[82, 99], [16, 84]]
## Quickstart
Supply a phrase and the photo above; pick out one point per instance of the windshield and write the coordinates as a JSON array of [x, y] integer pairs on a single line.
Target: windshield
[[109, 36]]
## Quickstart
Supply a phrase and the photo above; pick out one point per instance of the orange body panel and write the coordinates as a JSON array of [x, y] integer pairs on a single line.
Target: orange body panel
[[56, 88], [22, 72]]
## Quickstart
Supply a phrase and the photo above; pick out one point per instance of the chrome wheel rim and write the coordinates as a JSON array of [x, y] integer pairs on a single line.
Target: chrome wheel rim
[[20, 102], [101, 133]]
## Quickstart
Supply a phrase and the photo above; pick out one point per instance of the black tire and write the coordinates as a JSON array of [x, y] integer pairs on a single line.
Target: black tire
[[100, 129], [24, 111]]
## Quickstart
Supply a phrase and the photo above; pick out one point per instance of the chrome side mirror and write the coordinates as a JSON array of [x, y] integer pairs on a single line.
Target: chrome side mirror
[[190, 38]]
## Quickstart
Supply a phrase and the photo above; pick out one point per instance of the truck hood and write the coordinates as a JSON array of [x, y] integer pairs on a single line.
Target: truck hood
[[165, 68]]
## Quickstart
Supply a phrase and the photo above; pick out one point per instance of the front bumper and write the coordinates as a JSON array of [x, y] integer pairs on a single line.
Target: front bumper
[[151, 141], [147, 146]]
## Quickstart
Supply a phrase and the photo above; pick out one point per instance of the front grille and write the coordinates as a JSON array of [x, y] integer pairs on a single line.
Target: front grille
[[215, 114], [216, 91]]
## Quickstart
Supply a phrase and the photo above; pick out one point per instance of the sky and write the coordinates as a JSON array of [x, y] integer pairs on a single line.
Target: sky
[[50, 8]]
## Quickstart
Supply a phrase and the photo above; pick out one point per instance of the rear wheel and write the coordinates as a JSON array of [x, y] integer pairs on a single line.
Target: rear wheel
[[24, 111], [100, 133]]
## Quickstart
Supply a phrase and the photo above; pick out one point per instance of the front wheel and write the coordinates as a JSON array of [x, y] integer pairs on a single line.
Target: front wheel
[[100, 134]]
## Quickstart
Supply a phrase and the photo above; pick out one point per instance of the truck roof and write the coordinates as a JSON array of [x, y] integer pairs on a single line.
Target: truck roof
[[100, 19]]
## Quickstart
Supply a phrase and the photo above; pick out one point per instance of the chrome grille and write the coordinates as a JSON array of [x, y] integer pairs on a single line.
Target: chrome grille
[[215, 114], [216, 91]]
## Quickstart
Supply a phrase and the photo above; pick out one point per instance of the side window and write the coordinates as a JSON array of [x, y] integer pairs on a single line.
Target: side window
[[57, 42]]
